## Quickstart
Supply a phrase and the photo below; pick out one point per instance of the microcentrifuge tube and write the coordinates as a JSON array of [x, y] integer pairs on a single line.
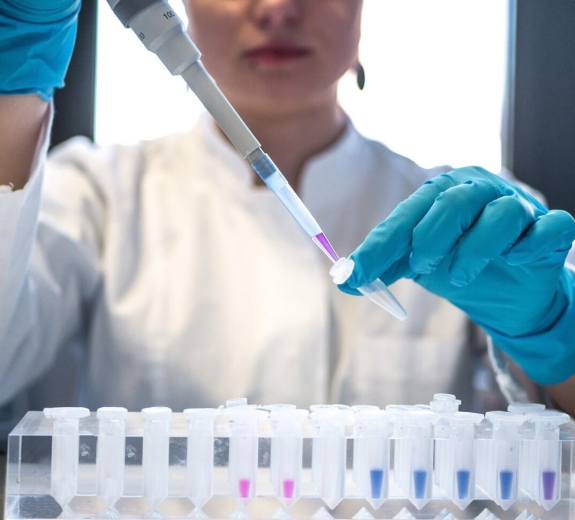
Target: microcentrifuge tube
[[501, 479], [200, 456], [418, 456], [65, 454], [243, 457], [371, 459], [460, 454], [330, 458], [527, 479], [286, 454], [547, 467], [273, 447], [110, 457], [357, 446], [156, 455], [376, 291], [442, 404], [399, 418]]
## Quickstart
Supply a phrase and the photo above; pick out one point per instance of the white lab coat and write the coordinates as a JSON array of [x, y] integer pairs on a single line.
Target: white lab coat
[[159, 274]]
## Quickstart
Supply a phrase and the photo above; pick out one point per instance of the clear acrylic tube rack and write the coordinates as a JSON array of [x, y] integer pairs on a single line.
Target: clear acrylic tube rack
[[197, 464]]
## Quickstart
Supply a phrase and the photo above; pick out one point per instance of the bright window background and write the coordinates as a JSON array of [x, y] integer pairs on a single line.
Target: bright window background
[[435, 81]]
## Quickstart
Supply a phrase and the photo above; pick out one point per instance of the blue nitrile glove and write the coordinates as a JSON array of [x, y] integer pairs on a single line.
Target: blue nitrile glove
[[495, 252], [36, 43]]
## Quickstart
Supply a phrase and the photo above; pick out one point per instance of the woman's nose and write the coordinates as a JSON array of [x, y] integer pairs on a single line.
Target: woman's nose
[[277, 13]]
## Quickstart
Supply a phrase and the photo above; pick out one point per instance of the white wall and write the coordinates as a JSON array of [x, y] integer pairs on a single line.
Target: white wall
[[434, 92]]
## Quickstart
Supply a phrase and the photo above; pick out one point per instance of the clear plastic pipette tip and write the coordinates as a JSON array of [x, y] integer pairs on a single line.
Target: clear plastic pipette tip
[[376, 291]]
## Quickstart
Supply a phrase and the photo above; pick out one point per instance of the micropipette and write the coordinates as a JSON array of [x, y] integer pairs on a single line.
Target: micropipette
[[110, 457], [200, 457], [162, 32], [65, 449], [156, 455]]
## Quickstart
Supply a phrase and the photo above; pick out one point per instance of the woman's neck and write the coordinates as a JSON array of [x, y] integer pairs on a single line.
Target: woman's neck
[[291, 139]]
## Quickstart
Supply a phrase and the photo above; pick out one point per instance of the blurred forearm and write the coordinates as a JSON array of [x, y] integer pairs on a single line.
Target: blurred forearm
[[564, 395], [21, 120]]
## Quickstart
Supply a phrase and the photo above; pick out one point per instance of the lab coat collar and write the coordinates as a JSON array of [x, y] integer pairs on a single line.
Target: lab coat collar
[[341, 154]]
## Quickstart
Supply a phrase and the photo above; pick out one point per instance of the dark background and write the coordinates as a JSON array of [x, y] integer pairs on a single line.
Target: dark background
[[539, 134]]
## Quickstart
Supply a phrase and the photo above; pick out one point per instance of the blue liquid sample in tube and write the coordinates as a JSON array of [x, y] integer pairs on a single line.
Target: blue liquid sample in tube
[[505, 484], [463, 477], [419, 483], [376, 476], [548, 485]]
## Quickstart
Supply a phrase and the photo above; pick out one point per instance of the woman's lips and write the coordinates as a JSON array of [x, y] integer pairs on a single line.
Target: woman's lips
[[277, 53]]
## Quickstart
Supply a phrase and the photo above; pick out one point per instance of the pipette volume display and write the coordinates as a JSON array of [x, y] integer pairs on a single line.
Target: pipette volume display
[[162, 32]]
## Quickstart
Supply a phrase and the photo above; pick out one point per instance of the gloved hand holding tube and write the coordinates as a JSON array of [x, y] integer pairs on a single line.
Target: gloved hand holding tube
[[495, 252], [36, 43]]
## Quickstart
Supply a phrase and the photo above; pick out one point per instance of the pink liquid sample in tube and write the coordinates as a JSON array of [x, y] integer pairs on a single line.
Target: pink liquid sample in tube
[[288, 488], [244, 485]]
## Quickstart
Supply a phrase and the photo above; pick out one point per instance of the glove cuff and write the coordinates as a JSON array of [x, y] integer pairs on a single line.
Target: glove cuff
[[548, 357], [34, 57]]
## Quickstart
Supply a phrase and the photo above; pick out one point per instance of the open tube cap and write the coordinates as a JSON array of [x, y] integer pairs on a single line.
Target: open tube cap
[[376, 291]]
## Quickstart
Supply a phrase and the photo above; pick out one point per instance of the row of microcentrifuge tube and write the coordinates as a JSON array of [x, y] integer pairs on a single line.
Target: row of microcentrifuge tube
[[434, 444]]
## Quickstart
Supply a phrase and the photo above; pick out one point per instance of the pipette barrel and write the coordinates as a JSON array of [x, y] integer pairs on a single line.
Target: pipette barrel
[[110, 458]]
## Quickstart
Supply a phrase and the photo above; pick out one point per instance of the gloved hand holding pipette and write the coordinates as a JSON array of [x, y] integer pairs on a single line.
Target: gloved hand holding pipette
[[492, 250]]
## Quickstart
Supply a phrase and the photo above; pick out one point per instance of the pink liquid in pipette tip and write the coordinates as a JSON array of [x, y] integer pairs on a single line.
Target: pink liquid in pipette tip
[[244, 485], [288, 488], [323, 242]]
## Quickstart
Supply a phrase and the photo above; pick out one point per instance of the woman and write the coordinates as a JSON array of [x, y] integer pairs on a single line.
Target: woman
[[181, 278]]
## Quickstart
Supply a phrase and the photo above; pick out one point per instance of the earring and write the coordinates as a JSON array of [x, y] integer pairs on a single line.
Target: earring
[[360, 71]]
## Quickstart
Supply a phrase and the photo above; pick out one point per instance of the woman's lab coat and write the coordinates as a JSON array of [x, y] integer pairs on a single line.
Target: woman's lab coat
[[160, 274]]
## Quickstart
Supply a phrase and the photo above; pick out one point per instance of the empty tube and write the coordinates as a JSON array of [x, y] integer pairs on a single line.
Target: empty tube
[[399, 417], [371, 456], [200, 469], [156, 454], [329, 458], [243, 457], [286, 454], [65, 452], [460, 457], [110, 458], [547, 466], [527, 479], [442, 404], [500, 480]]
